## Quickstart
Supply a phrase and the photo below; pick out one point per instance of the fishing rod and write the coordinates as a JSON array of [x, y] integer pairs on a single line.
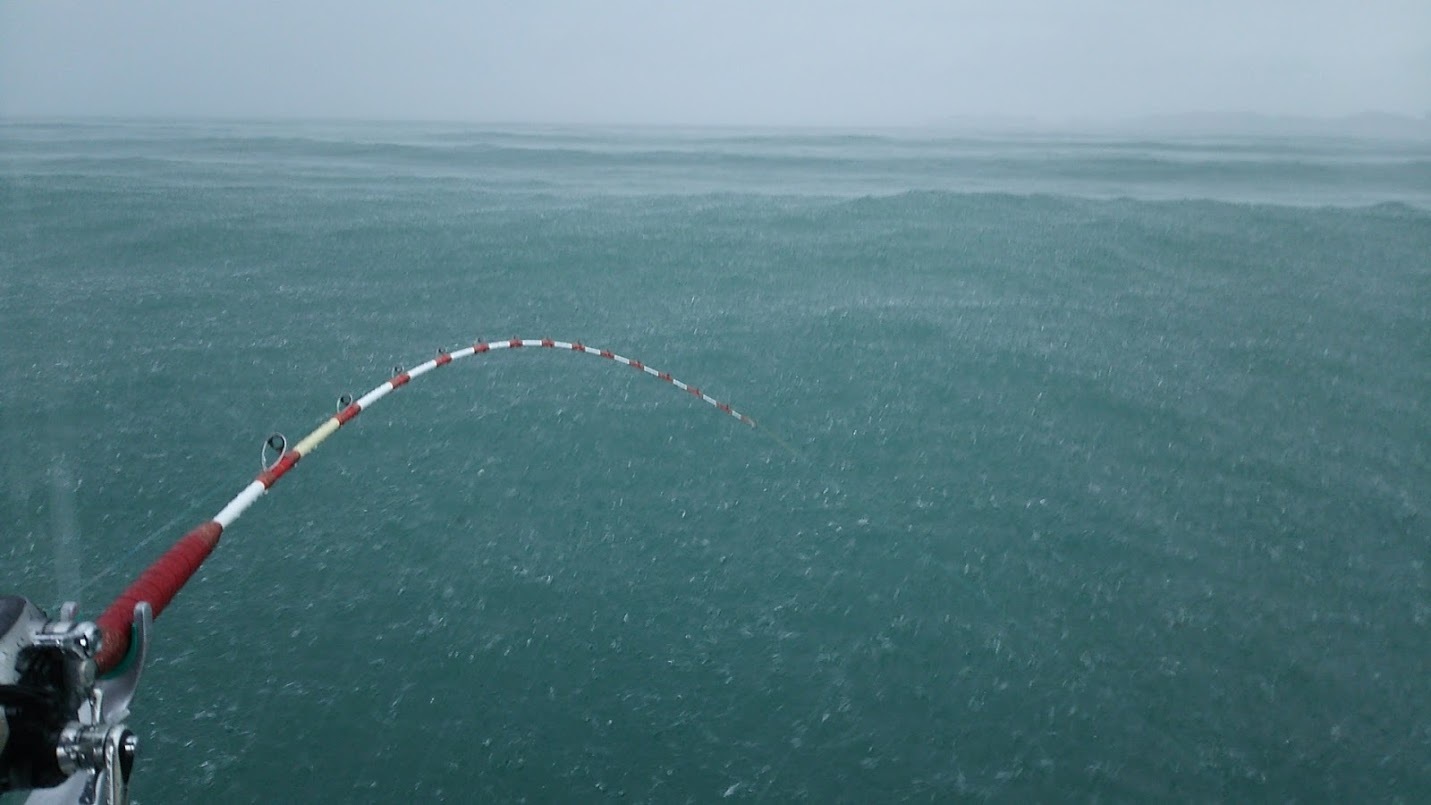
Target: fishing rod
[[66, 685]]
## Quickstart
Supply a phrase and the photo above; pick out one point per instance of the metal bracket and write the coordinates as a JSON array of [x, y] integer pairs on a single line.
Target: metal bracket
[[97, 750], [117, 692]]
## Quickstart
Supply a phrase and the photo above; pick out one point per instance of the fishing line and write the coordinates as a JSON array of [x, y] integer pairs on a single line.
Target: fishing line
[[776, 437], [157, 533]]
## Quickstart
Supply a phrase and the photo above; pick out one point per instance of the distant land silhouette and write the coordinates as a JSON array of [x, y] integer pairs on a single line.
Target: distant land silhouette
[[1374, 125]]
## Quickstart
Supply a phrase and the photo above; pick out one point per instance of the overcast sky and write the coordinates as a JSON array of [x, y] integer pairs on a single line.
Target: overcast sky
[[895, 62]]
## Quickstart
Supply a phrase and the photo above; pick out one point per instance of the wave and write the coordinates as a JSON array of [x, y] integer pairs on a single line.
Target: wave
[[617, 162]]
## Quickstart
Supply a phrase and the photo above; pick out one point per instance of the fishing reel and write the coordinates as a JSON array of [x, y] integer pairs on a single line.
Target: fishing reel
[[62, 735]]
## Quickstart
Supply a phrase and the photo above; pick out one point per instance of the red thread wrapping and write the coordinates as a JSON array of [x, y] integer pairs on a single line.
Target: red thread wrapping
[[158, 585], [270, 476]]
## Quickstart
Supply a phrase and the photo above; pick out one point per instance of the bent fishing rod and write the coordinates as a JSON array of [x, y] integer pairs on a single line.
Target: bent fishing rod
[[66, 685]]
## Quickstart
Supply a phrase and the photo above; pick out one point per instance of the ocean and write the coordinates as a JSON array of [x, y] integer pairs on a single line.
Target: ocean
[[1089, 468]]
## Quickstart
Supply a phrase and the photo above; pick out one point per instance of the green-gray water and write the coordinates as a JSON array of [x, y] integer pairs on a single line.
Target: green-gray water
[[1112, 483]]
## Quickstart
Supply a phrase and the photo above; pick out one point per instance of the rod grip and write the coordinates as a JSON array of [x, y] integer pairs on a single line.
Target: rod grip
[[158, 585]]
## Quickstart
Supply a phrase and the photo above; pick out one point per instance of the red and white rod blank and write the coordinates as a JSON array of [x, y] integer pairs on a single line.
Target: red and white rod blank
[[163, 579]]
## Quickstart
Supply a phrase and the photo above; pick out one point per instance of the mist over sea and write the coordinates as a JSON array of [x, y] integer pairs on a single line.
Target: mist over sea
[[1090, 468]]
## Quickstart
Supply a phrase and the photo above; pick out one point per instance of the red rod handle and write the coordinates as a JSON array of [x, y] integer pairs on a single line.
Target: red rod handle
[[158, 585]]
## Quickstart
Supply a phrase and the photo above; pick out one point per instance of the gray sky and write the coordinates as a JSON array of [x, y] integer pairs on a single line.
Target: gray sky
[[861, 62]]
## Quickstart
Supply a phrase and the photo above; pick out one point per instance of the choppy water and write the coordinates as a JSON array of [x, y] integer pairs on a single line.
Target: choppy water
[[1112, 479]]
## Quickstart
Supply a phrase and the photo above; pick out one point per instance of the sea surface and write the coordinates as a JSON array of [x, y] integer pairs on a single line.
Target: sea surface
[[1088, 469]]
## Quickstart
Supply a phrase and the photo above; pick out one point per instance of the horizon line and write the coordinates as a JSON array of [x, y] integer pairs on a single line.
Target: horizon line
[[1225, 122]]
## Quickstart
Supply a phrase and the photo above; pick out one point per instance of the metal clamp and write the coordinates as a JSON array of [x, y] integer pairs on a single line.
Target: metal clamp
[[93, 749]]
